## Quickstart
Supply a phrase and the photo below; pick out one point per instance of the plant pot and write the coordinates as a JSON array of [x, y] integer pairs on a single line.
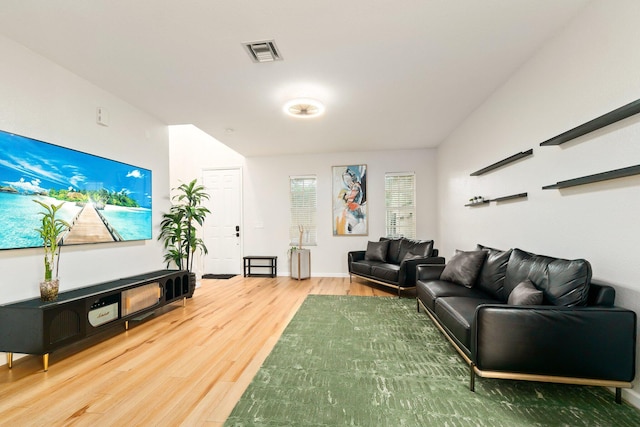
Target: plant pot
[[49, 290], [300, 263], [192, 284]]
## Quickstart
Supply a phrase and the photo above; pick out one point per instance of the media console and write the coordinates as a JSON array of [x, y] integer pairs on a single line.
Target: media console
[[37, 327]]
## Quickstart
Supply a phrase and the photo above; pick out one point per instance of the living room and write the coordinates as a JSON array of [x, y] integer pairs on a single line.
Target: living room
[[586, 68]]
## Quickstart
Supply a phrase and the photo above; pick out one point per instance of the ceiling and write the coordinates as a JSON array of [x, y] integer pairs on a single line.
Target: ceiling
[[391, 74]]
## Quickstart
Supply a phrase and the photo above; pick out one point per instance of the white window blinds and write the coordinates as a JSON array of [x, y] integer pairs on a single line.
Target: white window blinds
[[302, 196], [400, 203]]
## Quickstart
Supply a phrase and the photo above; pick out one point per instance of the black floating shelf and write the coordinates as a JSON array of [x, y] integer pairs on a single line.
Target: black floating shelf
[[511, 197], [499, 199], [595, 124], [604, 176], [503, 162], [484, 202]]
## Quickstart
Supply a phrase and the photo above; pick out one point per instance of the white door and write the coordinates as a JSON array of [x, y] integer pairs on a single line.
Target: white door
[[222, 233]]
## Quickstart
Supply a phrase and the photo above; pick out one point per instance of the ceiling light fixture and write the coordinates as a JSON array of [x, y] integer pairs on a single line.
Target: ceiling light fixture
[[304, 108]]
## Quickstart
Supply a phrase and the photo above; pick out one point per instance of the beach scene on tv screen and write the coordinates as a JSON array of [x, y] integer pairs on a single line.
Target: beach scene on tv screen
[[103, 200]]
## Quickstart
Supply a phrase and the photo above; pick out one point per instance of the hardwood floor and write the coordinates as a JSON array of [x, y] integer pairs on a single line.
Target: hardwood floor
[[183, 366]]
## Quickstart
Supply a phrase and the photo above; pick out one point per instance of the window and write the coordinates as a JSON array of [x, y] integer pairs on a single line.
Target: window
[[400, 203], [302, 197]]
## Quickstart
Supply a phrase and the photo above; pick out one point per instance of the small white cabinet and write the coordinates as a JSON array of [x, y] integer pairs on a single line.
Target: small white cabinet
[[300, 264]]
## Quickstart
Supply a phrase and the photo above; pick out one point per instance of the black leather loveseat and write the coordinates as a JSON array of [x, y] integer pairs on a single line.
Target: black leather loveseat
[[392, 262], [516, 315]]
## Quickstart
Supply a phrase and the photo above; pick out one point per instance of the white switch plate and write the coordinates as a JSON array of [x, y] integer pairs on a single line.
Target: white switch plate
[[102, 116]]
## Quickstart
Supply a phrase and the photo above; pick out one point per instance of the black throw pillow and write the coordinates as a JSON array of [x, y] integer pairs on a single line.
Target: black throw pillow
[[464, 267], [377, 251], [525, 294]]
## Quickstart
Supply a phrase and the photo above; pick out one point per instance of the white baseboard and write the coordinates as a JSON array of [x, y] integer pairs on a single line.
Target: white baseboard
[[631, 396], [330, 275], [288, 274]]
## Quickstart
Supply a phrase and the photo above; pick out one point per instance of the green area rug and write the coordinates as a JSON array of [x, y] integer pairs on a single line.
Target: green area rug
[[375, 361]]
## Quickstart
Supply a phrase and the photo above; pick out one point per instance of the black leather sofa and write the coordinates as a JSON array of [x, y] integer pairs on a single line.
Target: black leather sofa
[[556, 327], [392, 262]]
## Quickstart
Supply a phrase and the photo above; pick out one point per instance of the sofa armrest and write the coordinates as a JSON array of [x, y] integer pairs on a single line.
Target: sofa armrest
[[577, 342], [429, 271], [354, 256], [408, 269], [601, 295]]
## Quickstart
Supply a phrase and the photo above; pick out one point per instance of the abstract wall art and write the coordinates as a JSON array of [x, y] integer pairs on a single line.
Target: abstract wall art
[[350, 200]]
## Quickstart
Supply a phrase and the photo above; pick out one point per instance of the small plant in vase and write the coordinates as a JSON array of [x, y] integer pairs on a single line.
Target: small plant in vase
[[50, 230]]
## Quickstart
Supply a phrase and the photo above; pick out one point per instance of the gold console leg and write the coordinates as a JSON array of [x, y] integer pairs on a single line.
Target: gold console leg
[[45, 361], [184, 301], [10, 360], [126, 325]]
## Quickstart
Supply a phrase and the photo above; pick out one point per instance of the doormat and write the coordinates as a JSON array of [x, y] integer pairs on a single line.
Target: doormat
[[218, 276]]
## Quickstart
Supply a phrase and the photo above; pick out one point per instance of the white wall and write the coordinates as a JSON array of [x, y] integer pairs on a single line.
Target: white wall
[[589, 69], [41, 100], [266, 194], [266, 202], [191, 152]]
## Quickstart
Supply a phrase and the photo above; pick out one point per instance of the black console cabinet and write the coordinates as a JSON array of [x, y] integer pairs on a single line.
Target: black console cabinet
[[37, 327]]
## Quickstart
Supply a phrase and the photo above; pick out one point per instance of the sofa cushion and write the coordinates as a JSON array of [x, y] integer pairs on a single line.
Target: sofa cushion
[[409, 256], [562, 282], [393, 253], [429, 291], [361, 267], [387, 272], [463, 268], [493, 272], [377, 251], [457, 313], [418, 247], [525, 294]]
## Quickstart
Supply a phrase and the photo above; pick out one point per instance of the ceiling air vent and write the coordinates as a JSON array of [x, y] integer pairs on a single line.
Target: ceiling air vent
[[264, 51]]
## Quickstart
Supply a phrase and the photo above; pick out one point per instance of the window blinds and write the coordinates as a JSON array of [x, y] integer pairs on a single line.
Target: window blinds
[[400, 203], [302, 197]]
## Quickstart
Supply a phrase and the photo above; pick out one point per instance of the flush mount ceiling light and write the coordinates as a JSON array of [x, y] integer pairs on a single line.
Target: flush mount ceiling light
[[304, 108]]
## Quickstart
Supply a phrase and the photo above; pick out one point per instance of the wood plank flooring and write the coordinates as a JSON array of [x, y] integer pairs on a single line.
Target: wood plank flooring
[[183, 366]]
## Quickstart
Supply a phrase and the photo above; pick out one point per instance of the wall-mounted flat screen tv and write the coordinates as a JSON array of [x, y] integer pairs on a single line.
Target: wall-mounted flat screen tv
[[103, 200]]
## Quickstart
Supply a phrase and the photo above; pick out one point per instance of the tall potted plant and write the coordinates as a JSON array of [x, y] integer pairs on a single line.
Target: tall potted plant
[[178, 226], [50, 230]]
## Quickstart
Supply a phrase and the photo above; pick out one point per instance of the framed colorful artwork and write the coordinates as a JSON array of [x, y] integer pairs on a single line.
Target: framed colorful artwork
[[350, 200]]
